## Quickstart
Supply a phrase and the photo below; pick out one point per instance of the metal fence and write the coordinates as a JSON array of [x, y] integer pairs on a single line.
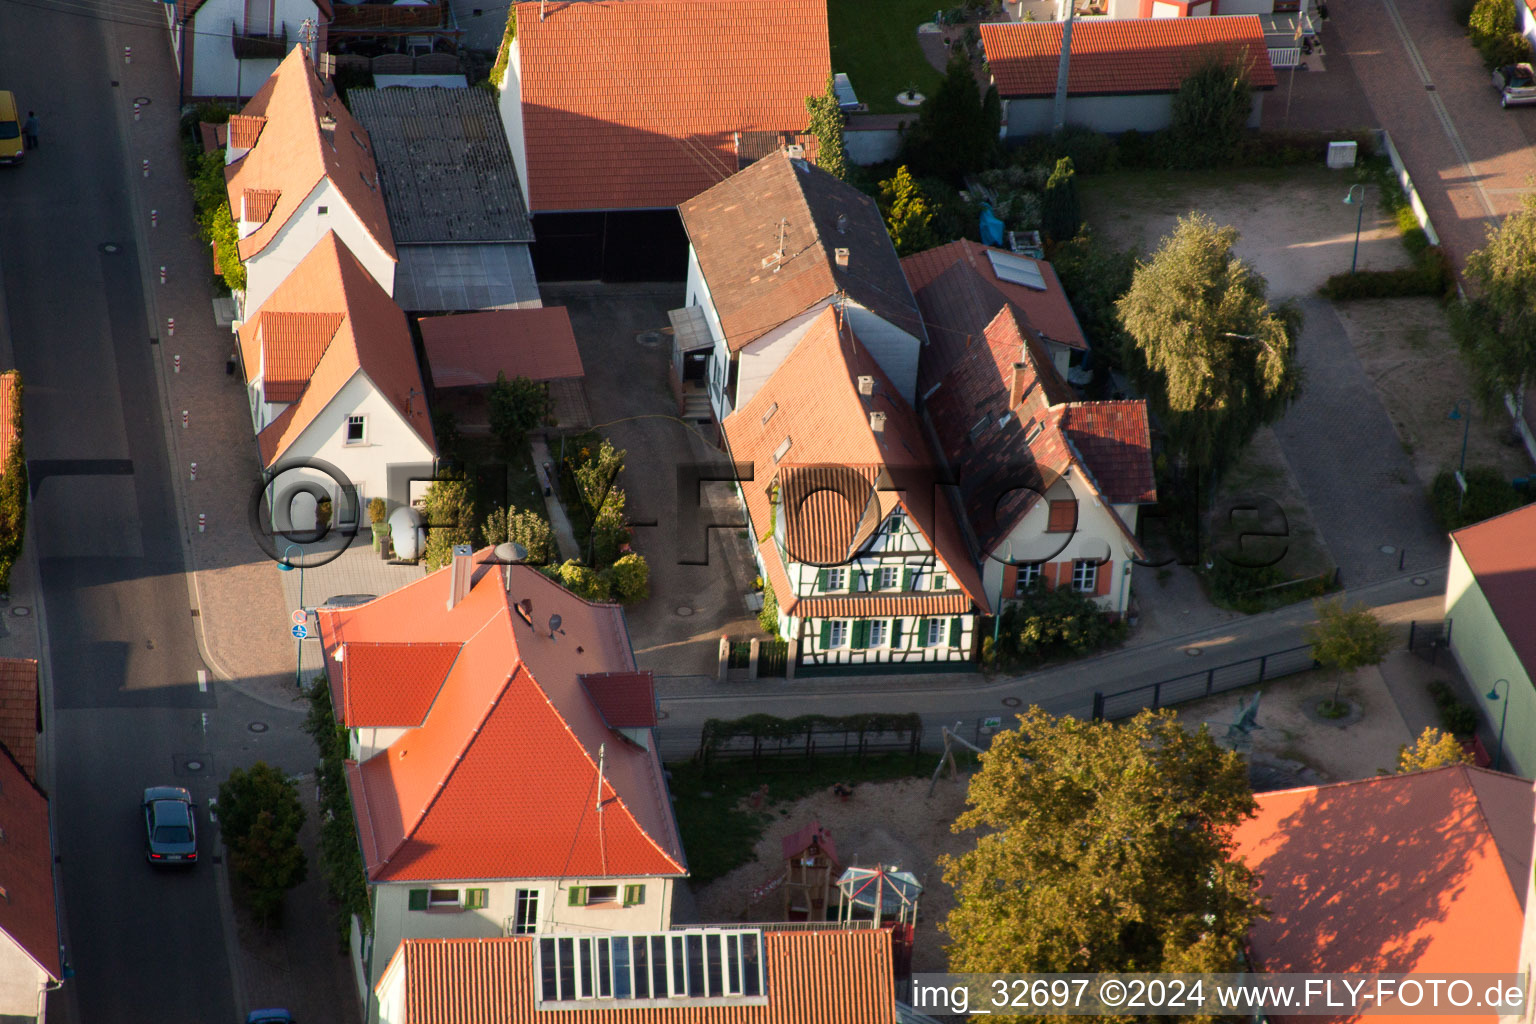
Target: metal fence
[[790, 753], [1427, 639], [1195, 685]]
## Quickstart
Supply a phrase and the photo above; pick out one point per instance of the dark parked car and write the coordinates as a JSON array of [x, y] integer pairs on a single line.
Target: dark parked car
[[170, 828]]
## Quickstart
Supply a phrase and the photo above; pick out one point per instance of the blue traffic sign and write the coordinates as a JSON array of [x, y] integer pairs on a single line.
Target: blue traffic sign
[[300, 632]]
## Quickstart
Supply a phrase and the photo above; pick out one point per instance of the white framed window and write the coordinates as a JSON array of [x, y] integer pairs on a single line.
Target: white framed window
[[837, 579], [1085, 576], [525, 920], [888, 577], [1028, 576], [437, 898], [683, 968], [896, 522], [879, 633], [933, 632], [357, 430], [837, 633]]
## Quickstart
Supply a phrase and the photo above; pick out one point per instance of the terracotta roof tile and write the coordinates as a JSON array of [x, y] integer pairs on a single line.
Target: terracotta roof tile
[[19, 718], [291, 347], [635, 104], [1501, 552], [245, 129], [467, 349], [1115, 444], [813, 977], [214, 136], [28, 911], [958, 292], [293, 153], [737, 225], [464, 796], [833, 447], [257, 204], [1424, 873], [1121, 55], [627, 700], [372, 336], [391, 684], [8, 439]]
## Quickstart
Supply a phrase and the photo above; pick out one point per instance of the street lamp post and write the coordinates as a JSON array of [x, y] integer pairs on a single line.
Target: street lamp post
[[1461, 472], [1493, 694], [1350, 200], [287, 566]]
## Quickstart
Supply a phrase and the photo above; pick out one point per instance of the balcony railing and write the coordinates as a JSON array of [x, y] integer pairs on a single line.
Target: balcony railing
[[251, 46], [354, 17]]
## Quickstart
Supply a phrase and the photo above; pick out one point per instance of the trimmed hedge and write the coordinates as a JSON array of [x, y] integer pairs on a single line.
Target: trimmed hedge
[[1489, 494], [1431, 275]]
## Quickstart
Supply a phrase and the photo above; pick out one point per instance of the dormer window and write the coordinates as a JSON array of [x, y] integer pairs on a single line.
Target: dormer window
[[981, 425], [783, 449]]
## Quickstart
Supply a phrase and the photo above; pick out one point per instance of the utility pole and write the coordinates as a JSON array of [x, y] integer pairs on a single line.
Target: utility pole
[[1059, 111]]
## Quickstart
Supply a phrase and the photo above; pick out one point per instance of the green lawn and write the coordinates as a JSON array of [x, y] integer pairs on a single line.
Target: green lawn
[[524, 486], [875, 45]]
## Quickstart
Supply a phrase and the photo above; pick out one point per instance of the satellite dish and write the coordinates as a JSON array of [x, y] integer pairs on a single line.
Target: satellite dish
[[510, 552], [554, 626]]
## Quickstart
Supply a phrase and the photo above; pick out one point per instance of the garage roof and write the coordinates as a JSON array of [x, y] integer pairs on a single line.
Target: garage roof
[[468, 350]]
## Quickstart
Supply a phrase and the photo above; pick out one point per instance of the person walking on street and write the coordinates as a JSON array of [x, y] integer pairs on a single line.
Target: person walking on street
[[29, 130]]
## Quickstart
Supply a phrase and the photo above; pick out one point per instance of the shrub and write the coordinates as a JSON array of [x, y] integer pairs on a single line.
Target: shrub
[[1433, 749], [1430, 275], [1050, 623], [768, 615], [1061, 213], [516, 406], [260, 817], [630, 578], [1489, 494], [341, 860], [583, 581], [377, 511], [218, 228], [504, 55], [1210, 112], [1457, 716], [13, 492], [1495, 33], [1461, 10]]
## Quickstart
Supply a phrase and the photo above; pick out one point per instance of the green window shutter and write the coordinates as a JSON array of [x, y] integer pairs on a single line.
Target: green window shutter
[[826, 633], [896, 632], [906, 579], [821, 579], [634, 895], [860, 580], [418, 899], [860, 634], [956, 626], [922, 632], [577, 896], [476, 899]]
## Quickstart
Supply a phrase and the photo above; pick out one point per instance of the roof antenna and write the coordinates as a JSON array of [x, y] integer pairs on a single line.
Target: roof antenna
[[602, 846], [410, 401], [777, 256], [541, 10]]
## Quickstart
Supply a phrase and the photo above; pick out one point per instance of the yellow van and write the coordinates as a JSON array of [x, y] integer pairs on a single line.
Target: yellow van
[[11, 148]]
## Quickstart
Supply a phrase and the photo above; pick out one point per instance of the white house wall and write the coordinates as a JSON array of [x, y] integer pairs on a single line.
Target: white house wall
[[1097, 537], [1147, 112], [21, 981], [893, 348], [1486, 655], [304, 230], [367, 742], [511, 104], [390, 441], [394, 921], [215, 71], [758, 360], [391, 994]]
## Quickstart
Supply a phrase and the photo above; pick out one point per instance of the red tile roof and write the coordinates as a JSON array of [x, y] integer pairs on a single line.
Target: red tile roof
[[391, 684], [635, 104], [19, 721], [245, 129], [27, 910], [214, 136], [813, 977], [467, 349], [8, 436], [1121, 55], [1423, 873], [737, 227], [293, 154], [372, 336], [500, 781], [626, 700], [959, 293], [1000, 474], [257, 204], [291, 347], [1501, 552], [835, 459]]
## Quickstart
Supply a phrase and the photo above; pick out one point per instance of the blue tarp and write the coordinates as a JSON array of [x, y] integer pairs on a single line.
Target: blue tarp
[[991, 226]]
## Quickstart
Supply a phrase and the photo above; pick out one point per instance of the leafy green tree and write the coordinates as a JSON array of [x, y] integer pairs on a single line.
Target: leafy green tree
[[1061, 211], [449, 506], [1496, 327], [1210, 112], [1216, 361], [260, 817], [583, 581], [908, 214], [247, 793], [341, 860], [1102, 848], [1347, 637], [827, 123], [597, 478], [951, 137], [527, 528], [1494, 31], [630, 578], [1095, 275], [13, 490], [1433, 749], [516, 406]]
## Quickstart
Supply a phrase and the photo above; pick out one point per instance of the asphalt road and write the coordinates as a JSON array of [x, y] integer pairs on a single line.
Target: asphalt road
[[127, 710]]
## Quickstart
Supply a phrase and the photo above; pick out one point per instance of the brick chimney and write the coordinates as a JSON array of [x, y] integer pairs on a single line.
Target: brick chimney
[[841, 256], [866, 385], [459, 574], [877, 423], [1016, 384]]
